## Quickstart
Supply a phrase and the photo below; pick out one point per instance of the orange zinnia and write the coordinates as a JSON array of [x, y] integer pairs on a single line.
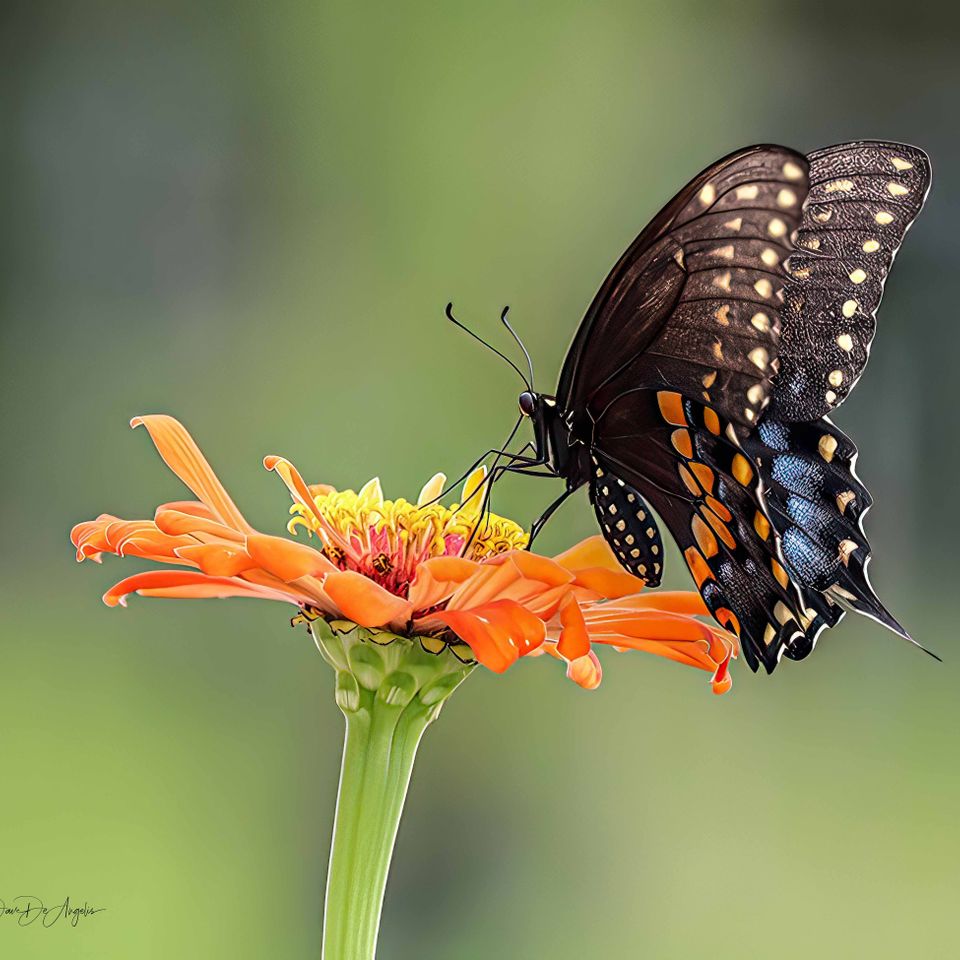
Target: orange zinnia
[[449, 577]]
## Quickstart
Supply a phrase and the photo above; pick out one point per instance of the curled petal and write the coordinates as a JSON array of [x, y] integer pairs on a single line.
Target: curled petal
[[574, 642], [183, 457], [498, 633], [184, 584], [361, 600], [286, 559], [586, 671]]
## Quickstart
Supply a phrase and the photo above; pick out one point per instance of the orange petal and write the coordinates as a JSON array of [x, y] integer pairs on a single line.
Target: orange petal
[[186, 584], [217, 559], [592, 552], [177, 522], [672, 601], [286, 559], [574, 641], [608, 584], [498, 633], [437, 578], [586, 671], [183, 457], [361, 600]]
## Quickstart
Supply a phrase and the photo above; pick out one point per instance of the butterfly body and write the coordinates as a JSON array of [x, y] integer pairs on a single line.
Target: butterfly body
[[697, 386]]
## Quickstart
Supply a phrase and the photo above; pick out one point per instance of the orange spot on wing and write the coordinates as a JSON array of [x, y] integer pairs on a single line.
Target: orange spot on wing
[[727, 618], [698, 566], [687, 477], [711, 421], [704, 536], [681, 443], [719, 509], [741, 469], [720, 528], [762, 525], [705, 475], [782, 578], [671, 408]]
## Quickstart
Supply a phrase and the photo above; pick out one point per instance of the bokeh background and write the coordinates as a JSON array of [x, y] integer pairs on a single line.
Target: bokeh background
[[251, 216]]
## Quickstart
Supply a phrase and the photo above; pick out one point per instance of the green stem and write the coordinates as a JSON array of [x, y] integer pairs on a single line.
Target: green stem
[[389, 690]]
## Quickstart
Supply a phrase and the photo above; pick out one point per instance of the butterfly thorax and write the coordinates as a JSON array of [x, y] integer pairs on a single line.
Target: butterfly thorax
[[562, 443]]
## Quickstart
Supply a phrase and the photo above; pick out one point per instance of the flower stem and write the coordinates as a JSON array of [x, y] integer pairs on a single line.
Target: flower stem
[[389, 690]]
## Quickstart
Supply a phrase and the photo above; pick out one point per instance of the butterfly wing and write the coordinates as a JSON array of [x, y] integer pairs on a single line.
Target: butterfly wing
[[709, 492], [863, 198], [694, 303]]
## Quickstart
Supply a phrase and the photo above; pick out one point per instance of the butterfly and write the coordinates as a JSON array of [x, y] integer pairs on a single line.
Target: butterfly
[[698, 386]]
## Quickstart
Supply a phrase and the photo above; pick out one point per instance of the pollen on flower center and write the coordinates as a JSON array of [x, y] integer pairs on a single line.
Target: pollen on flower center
[[386, 540]]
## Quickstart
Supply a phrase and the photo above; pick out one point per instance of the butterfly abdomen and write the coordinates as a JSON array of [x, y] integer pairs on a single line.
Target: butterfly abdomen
[[628, 526]]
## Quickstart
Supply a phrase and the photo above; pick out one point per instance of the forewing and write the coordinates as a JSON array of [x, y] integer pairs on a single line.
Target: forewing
[[694, 303], [862, 199]]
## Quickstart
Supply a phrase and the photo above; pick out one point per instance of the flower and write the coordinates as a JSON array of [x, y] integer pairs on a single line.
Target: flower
[[454, 577]]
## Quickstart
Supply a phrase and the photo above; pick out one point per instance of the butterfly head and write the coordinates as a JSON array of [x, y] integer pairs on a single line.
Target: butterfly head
[[529, 402]]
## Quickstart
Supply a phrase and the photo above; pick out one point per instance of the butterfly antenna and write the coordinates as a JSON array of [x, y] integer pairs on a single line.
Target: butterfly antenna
[[466, 329], [506, 323]]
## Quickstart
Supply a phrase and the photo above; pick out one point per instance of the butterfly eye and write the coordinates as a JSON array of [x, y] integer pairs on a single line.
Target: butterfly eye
[[528, 403]]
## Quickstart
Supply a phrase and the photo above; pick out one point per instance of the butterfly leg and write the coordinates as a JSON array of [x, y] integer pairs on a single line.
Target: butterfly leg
[[546, 515]]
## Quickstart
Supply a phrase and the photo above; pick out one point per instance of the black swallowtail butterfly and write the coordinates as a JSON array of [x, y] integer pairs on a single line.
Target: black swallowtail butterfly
[[698, 384]]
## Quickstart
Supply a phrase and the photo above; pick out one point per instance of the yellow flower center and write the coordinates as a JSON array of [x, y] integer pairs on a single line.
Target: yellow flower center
[[387, 539]]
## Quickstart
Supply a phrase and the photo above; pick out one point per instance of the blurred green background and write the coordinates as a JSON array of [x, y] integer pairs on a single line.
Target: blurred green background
[[251, 216]]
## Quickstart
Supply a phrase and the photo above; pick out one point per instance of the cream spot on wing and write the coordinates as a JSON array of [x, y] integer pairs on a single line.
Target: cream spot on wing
[[897, 189], [838, 186], [708, 194], [786, 197], [709, 378], [835, 378], [849, 308], [827, 446], [870, 246], [755, 394], [900, 164], [723, 281], [845, 342], [776, 227], [678, 256], [761, 321], [791, 171], [748, 192], [763, 287], [769, 257], [823, 216], [844, 499], [858, 276], [725, 252], [735, 224], [846, 547], [884, 217], [759, 357]]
